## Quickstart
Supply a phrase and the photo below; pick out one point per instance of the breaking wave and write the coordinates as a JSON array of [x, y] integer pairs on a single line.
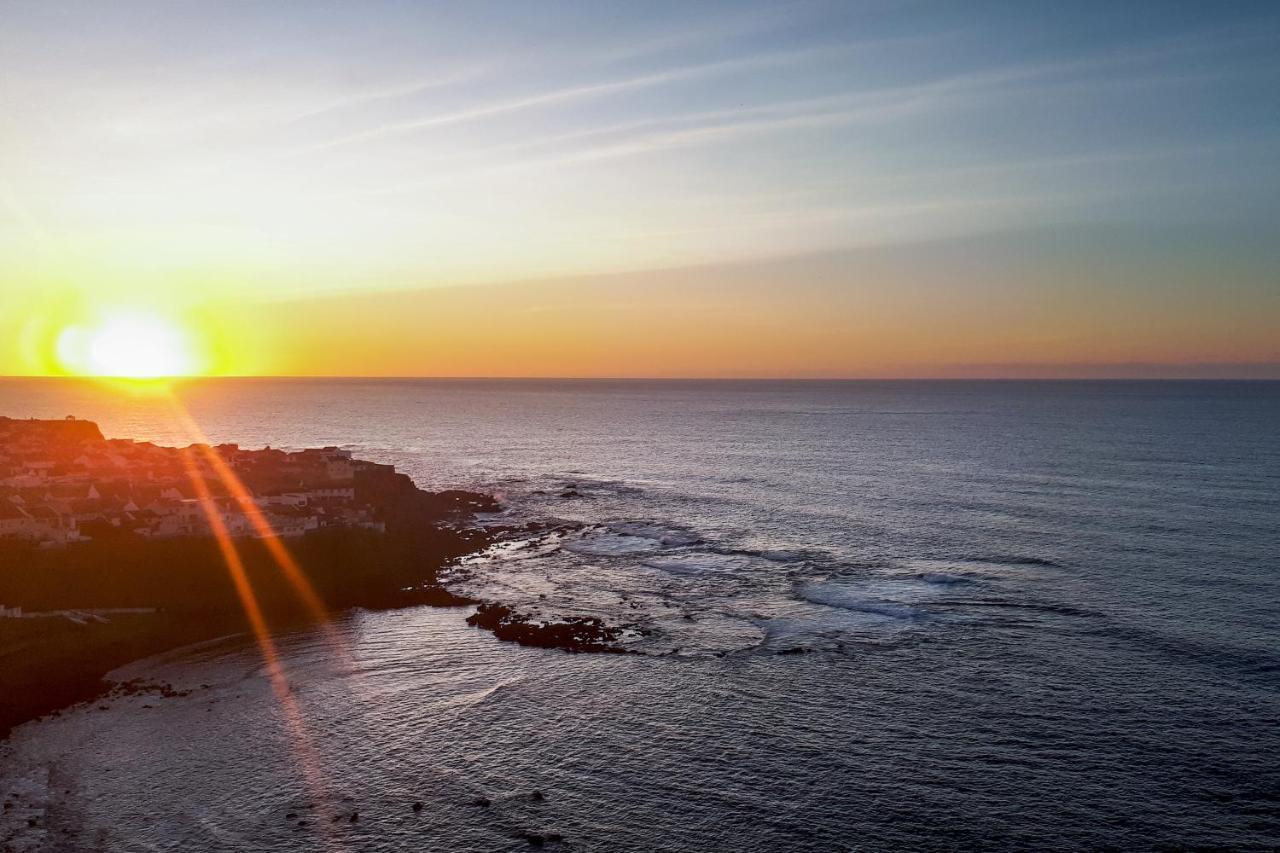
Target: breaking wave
[[612, 545], [894, 599], [698, 564]]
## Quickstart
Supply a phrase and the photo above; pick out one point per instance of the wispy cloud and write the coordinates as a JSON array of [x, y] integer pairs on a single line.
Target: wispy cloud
[[400, 143], [881, 105], [715, 30], [892, 103], [394, 91], [594, 90]]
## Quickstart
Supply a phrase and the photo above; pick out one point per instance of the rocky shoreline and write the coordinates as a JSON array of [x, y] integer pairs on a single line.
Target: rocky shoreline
[[570, 633], [49, 663], [119, 550], [43, 798]]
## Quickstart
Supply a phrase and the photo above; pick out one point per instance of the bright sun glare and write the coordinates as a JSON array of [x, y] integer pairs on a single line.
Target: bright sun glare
[[127, 345]]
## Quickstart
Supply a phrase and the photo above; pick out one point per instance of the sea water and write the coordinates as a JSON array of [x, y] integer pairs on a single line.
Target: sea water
[[868, 615]]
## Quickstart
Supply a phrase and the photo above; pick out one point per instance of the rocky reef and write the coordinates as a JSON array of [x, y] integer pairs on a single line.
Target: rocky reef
[[570, 633]]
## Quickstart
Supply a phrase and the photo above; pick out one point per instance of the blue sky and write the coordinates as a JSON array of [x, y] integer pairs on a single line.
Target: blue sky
[[192, 152]]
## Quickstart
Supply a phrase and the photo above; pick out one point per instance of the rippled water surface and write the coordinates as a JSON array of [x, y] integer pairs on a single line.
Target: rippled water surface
[[871, 616]]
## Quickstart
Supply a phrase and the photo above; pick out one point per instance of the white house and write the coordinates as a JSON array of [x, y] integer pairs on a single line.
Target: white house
[[16, 522]]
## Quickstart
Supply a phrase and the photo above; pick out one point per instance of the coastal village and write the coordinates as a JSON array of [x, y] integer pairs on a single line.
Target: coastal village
[[62, 482]]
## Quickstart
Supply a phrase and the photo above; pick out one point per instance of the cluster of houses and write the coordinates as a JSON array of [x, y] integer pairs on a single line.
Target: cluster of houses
[[62, 482]]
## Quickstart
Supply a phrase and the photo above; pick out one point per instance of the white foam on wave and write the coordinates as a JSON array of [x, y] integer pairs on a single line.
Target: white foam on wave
[[798, 632], [595, 488], [800, 625], [631, 538], [898, 598], [848, 599], [666, 535], [975, 571], [944, 579], [706, 633], [784, 556], [698, 564], [612, 545]]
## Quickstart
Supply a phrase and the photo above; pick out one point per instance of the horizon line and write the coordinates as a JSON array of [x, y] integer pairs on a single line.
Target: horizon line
[[567, 378]]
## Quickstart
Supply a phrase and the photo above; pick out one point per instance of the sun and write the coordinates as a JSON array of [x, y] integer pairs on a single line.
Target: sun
[[128, 345]]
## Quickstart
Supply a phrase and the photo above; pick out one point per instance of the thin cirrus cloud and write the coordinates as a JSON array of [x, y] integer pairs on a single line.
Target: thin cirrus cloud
[[583, 92], [228, 154], [658, 133], [859, 105]]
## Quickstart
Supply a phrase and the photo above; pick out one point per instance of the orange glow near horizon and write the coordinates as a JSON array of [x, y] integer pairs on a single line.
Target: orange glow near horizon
[[129, 344], [864, 316], [137, 344], [759, 191]]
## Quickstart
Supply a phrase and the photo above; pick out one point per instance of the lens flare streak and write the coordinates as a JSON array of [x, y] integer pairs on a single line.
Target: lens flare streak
[[300, 739], [244, 499]]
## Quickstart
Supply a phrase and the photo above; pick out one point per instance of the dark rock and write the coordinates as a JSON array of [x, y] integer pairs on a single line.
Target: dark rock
[[435, 595], [537, 796], [571, 633], [417, 807], [423, 533], [291, 816], [355, 817], [482, 802], [535, 839], [462, 501]]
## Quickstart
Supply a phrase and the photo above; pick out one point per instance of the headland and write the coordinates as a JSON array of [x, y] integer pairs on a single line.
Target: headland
[[113, 549]]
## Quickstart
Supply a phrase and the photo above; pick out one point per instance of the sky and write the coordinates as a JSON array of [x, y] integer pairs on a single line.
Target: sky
[[809, 189]]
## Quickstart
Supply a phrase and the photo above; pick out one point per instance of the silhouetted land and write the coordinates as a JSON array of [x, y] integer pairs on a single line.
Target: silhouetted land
[[127, 528], [49, 662]]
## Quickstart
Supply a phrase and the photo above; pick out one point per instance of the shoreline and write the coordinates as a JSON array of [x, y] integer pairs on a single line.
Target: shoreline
[[113, 551], [84, 655], [84, 664], [48, 795], [58, 665]]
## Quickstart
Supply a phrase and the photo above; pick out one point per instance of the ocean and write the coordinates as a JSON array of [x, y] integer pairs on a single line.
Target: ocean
[[877, 616]]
